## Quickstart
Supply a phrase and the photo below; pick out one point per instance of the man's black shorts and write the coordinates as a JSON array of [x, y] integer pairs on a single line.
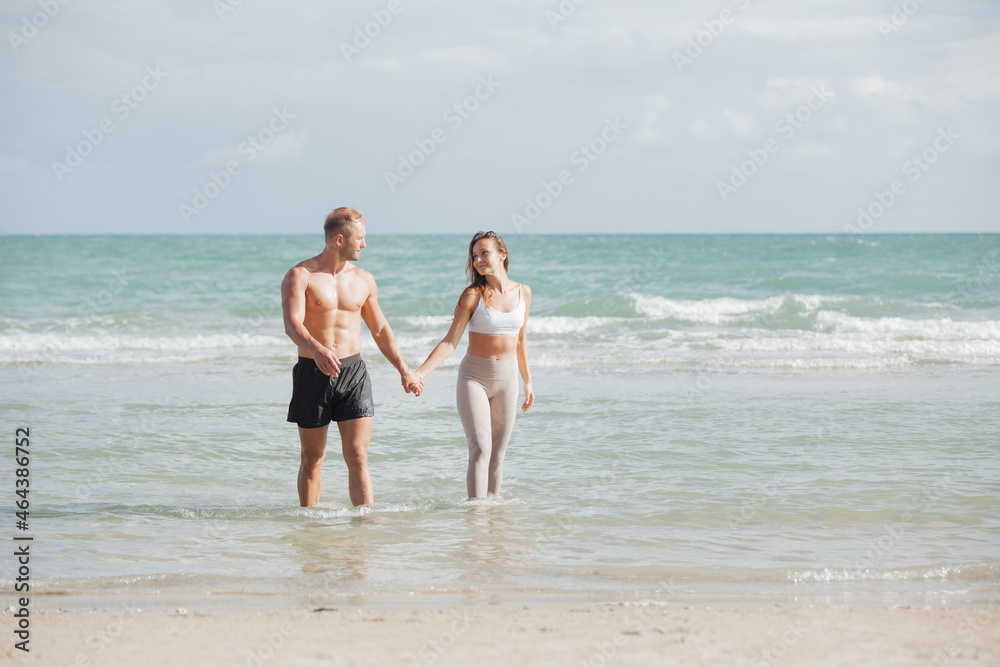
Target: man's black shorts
[[318, 399]]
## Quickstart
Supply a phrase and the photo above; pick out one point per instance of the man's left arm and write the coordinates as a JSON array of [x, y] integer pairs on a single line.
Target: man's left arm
[[381, 333]]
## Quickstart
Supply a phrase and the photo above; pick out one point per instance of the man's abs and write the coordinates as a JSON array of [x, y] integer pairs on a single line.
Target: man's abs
[[342, 337]]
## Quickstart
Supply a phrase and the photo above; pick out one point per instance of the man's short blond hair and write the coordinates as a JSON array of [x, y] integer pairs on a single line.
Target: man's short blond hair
[[341, 220]]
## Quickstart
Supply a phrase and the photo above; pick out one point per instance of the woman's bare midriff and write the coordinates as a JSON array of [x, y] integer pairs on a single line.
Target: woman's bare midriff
[[491, 346]]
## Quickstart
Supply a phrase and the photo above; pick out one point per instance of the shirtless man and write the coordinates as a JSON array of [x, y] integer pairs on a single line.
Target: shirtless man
[[323, 301]]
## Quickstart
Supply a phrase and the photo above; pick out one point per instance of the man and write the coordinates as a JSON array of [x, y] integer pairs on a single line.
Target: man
[[323, 300]]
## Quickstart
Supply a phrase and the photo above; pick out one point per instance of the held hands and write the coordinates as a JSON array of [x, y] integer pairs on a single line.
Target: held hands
[[412, 383], [529, 397]]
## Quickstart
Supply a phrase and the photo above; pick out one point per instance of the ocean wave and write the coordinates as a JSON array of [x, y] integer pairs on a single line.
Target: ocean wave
[[58, 343], [970, 572], [128, 359], [539, 324], [662, 585], [436, 322], [923, 329], [560, 325], [725, 310], [733, 354], [744, 363], [790, 331], [949, 348]]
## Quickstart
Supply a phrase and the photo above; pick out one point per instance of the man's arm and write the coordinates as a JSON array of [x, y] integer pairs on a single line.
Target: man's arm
[[293, 311], [381, 333]]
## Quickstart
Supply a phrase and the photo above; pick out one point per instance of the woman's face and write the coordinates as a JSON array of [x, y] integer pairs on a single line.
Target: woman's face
[[486, 258]]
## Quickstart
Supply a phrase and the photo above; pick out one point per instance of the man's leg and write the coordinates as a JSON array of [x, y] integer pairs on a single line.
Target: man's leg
[[311, 464], [354, 436]]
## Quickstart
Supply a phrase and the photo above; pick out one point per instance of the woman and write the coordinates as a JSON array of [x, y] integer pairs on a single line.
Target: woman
[[495, 308]]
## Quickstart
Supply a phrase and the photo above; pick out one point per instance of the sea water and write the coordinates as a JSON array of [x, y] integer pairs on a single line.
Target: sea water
[[717, 417]]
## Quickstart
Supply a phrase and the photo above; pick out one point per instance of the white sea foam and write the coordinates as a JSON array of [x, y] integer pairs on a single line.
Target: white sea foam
[[56, 343], [738, 362], [827, 339], [927, 329], [559, 325], [943, 572], [540, 324], [709, 311], [725, 309], [116, 358], [433, 322], [860, 344]]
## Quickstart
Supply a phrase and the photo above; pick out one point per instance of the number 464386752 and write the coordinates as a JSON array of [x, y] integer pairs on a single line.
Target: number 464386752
[[22, 459]]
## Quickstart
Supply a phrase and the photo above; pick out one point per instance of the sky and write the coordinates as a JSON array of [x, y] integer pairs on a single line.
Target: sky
[[525, 117]]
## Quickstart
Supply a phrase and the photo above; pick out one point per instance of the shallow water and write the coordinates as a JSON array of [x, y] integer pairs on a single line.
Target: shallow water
[[788, 416]]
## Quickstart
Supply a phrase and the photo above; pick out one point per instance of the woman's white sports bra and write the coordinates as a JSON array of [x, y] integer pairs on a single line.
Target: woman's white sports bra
[[487, 320]]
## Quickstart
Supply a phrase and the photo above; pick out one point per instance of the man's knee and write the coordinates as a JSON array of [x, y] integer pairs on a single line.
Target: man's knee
[[355, 456], [313, 446], [313, 459]]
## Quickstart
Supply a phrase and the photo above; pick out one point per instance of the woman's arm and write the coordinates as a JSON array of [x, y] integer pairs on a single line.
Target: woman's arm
[[522, 352], [463, 313]]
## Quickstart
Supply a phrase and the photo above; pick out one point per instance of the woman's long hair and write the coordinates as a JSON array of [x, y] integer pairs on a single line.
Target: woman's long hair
[[476, 280]]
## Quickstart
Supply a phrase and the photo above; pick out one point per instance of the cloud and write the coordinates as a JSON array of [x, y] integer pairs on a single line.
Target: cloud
[[812, 30], [650, 130], [284, 149], [354, 118], [470, 58], [895, 99]]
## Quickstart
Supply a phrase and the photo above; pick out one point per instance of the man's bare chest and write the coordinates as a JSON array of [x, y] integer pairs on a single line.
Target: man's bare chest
[[326, 294]]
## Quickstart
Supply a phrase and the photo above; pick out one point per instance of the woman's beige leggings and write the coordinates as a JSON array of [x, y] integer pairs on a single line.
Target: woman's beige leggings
[[487, 403]]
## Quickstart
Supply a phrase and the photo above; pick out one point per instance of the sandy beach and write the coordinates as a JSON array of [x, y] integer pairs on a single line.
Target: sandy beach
[[621, 634]]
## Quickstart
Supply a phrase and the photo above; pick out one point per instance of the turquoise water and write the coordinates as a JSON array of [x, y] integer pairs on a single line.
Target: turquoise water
[[804, 417]]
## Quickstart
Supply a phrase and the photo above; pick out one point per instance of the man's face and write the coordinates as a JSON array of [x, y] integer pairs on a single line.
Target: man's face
[[354, 242]]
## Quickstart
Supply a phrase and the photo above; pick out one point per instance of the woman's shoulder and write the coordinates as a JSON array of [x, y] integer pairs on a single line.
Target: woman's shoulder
[[469, 297]]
